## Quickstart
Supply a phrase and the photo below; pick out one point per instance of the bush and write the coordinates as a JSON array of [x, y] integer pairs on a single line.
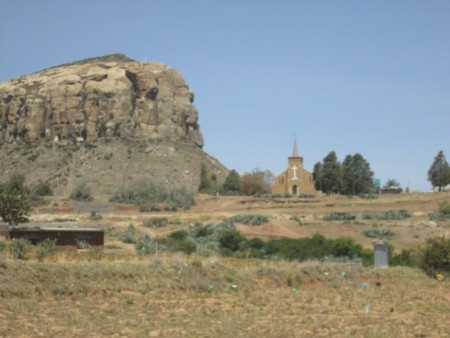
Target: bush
[[95, 217], [316, 247], [381, 234], [404, 258], [179, 241], [46, 248], [156, 222], [305, 195], [42, 189], [202, 230], [81, 191], [130, 235], [2, 244], [389, 215], [208, 182], [297, 219], [179, 235], [435, 256], [230, 239], [444, 208], [19, 248], [346, 247], [442, 213], [250, 219], [149, 194], [339, 216], [15, 186], [145, 246]]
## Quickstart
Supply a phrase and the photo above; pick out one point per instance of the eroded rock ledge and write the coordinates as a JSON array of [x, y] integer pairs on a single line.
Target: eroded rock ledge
[[111, 96]]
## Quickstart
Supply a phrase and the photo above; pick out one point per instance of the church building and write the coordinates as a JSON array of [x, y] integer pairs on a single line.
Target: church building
[[295, 180]]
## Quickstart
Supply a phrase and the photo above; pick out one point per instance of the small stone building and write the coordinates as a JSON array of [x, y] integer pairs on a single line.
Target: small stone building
[[63, 234], [295, 180]]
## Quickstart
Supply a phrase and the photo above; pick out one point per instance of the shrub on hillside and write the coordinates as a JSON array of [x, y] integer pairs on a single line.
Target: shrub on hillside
[[15, 185], [42, 189], [208, 182], [250, 219], [45, 248], [149, 194], [230, 240], [81, 191], [130, 235], [384, 233], [389, 215], [156, 222], [316, 247], [442, 213], [297, 219], [179, 241], [339, 216], [19, 248], [406, 257], [145, 245], [444, 208], [435, 256], [346, 247]]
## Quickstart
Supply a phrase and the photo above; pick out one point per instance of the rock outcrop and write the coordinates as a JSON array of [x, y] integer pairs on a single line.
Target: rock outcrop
[[110, 120], [104, 97]]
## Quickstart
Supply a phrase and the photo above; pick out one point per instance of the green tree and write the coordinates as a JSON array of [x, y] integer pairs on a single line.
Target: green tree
[[392, 183], [232, 182], [357, 177], [209, 184], [439, 172], [317, 176], [14, 208], [204, 179], [328, 174]]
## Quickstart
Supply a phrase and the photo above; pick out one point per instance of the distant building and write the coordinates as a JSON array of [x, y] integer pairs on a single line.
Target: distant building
[[295, 180], [62, 234]]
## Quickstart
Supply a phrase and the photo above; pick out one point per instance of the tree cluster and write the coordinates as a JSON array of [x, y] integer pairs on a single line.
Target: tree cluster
[[351, 177], [256, 182]]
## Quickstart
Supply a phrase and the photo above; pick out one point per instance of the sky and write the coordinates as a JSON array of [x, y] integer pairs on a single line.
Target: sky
[[368, 77]]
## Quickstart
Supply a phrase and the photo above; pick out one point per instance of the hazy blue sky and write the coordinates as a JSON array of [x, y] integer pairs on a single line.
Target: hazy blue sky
[[352, 76]]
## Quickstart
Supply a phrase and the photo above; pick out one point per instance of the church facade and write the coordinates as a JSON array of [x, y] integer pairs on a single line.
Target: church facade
[[295, 180]]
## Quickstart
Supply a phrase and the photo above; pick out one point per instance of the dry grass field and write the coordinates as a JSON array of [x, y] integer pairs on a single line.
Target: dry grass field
[[114, 293]]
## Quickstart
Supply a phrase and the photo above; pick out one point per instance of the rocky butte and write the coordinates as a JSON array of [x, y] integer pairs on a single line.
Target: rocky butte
[[110, 119]]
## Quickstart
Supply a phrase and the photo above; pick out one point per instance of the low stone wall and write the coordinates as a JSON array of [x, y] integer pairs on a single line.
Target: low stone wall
[[98, 207]]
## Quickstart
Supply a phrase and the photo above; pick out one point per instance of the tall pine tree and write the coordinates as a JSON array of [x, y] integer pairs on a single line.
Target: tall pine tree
[[357, 177], [439, 172]]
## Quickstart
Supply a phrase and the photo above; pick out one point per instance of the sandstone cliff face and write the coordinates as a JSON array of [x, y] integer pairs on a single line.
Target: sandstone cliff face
[[107, 97], [110, 120]]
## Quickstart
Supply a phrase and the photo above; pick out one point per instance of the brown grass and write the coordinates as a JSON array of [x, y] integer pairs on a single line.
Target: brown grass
[[115, 293], [178, 296]]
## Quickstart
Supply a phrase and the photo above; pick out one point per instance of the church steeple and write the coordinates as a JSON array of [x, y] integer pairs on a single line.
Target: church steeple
[[295, 151]]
